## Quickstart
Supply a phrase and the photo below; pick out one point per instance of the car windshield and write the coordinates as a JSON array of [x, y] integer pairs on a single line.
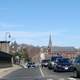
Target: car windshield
[[45, 61], [54, 58], [77, 59], [30, 63], [63, 61]]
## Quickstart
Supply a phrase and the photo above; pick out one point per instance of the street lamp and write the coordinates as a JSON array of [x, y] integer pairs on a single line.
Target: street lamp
[[7, 34], [6, 44]]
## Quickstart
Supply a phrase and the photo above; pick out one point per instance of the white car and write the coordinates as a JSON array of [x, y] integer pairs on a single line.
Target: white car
[[24, 65]]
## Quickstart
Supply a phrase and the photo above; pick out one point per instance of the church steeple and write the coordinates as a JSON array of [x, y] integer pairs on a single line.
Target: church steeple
[[50, 41], [50, 45]]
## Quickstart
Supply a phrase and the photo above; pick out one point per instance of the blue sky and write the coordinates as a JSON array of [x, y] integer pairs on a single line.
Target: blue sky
[[31, 21]]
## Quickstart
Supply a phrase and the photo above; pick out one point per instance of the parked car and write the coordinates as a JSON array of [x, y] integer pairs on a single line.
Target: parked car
[[24, 65], [44, 63], [52, 61], [63, 64], [37, 64], [77, 67], [31, 65]]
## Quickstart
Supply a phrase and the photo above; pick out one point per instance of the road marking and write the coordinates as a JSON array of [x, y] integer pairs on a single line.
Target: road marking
[[41, 72], [71, 79], [49, 79], [61, 79], [68, 79]]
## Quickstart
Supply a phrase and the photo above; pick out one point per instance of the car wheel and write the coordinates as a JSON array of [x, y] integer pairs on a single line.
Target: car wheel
[[55, 70], [76, 74], [42, 66], [49, 68]]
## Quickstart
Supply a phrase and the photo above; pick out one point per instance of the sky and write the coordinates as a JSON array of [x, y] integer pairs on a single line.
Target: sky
[[32, 21]]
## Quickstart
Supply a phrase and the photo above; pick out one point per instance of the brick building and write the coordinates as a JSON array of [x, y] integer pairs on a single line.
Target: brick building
[[4, 46], [69, 52]]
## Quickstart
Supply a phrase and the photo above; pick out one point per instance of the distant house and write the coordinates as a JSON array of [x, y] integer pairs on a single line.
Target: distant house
[[4, 46], [6, 59]]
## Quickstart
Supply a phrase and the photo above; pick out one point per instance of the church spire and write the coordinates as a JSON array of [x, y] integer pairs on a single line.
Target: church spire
[[50, 45], [50, 41]]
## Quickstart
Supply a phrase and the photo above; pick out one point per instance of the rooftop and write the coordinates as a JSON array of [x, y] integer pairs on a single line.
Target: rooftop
[[4, 54], [4, 41], [64, 49]]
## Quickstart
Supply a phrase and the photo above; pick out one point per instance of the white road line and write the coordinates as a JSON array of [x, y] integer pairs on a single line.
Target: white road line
[[42, 72], [61, 79], [49, 79], [71, 79]]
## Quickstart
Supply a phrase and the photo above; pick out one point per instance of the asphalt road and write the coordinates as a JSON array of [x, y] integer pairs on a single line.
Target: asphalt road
[[58, 75], [39, 74]]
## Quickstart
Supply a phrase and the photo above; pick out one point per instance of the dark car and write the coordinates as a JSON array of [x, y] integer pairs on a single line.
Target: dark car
[[52, 61], [44, 63], [77, 66], [31, 65], [63, 64]]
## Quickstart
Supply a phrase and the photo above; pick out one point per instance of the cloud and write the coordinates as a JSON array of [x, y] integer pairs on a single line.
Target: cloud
[[73, 37], [28, 34], [24, 36], [10, 25], [35, 38], [59, 36], [41, 38]]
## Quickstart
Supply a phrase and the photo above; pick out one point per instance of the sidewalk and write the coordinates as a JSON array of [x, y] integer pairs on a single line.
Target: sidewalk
[[6, 71]]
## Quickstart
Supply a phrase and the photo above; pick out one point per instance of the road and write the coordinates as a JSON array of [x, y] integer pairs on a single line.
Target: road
[[38, 74]]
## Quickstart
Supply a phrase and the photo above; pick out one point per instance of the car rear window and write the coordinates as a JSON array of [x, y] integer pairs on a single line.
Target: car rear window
[[54, 58], [63, 61], [77, 60], [45, 60]]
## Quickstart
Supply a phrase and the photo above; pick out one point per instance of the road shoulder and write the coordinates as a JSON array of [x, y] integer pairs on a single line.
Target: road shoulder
[[6, 71]]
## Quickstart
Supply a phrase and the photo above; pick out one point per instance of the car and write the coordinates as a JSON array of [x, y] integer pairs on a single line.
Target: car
[[63, 64], [52, 61], [37, 64], [76, 62], [31, 65], [24, 66], [44, 63]]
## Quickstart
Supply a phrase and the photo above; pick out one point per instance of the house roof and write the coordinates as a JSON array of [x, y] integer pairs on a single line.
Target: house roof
[[64, 49], [4, 41], [5, 55]]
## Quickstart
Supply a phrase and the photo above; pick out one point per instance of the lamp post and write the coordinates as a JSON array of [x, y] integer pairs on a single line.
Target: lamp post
[[7, 34], [7, 47]]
